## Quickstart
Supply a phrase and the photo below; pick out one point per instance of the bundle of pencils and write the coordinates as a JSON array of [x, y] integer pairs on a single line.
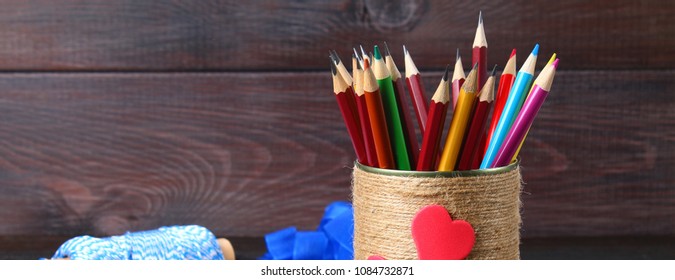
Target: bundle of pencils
[[487, 130]]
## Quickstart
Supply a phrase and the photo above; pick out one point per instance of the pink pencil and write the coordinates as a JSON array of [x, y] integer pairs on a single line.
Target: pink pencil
[[526, 116]]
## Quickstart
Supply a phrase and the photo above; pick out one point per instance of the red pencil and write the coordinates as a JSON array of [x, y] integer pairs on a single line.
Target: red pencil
[[403, 111], [378, 121], [458, 78], [416, 90], [505, 84], [480, 52], [361, 105], [472, 143], [432, 135], [340, 89], [351, 98]]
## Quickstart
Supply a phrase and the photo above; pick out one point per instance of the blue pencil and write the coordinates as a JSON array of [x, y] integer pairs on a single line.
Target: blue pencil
[[517, 95]]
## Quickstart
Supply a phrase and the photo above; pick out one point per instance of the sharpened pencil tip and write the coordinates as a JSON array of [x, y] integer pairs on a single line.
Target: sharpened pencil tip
[[336, 57], [480, 17], [551, 59], [457, 57], [447, 70], [555, 63], [385, 51], [363, 52], [535, 51], [494, 70], [376, 52], [475, 66], [357, 54], [333, 68], [405, 51], [513, 52]]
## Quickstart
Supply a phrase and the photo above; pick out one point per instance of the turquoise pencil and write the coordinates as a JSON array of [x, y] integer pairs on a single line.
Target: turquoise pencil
[[521, 87]]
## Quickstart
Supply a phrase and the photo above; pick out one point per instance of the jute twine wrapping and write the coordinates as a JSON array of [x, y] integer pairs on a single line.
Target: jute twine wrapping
[[384, 206]]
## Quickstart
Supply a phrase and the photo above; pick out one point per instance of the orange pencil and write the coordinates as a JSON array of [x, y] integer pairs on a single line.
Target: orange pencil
[[457, 79], [403, 111], [378, 122], [361, 105], [460, 119], [340, 89], [435, 122]]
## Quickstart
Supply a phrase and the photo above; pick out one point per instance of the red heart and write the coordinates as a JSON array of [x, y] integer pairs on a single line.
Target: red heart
[[376, 258], [438, 237]]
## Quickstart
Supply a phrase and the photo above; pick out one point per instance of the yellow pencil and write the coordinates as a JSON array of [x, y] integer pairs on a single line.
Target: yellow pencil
[[460, 120]]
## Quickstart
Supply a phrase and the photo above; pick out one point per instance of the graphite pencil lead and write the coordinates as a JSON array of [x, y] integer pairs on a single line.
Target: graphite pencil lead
[[332, 57], [333, 68], [386, 50], [494, 70], [447, 70], [337, 58], [363, 52], [480, 17], [457, 57]]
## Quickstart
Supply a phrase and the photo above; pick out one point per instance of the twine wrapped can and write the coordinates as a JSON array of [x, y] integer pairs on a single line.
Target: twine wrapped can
[[385, 202]]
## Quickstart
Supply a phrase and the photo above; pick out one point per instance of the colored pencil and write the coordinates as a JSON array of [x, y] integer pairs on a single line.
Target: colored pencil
[[540, 90], [505, 83], [365, 56], [341, 68], [394, 124], [351, 98], [378, 121], [366, 130], [435, 122], [517, 95], [515, 155], [341, 94], [457, 79], [472, 144], [480, 52], [460, 119], [360, 60], [416, 89], [406, 121]]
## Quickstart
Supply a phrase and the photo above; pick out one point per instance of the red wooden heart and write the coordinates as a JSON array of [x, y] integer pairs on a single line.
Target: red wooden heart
[[438, 237]]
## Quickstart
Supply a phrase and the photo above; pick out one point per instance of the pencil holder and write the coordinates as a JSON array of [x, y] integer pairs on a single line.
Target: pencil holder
[[385, 202]]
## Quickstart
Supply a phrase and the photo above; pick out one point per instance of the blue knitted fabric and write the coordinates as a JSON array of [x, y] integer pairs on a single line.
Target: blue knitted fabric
[[166, 243]]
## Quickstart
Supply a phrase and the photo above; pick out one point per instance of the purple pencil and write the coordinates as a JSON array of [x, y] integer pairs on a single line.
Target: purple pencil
[[540, 89]]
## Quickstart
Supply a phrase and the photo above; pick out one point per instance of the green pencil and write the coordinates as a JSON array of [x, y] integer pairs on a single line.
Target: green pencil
[[391, 111]]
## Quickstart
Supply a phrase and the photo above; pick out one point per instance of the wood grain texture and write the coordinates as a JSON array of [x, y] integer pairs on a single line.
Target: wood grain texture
[[244, 154], [127, 35]]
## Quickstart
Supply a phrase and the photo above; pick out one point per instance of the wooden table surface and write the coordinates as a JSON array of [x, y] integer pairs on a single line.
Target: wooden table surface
[[130, 115]]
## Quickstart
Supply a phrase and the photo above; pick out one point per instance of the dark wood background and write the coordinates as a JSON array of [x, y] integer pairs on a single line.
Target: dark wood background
[[130, 115]]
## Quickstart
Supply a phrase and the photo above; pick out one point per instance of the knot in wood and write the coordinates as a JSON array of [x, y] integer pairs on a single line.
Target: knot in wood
[[390, 16]]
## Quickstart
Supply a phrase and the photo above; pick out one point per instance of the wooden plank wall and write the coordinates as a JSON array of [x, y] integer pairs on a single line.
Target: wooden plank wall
[[130, 115]]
